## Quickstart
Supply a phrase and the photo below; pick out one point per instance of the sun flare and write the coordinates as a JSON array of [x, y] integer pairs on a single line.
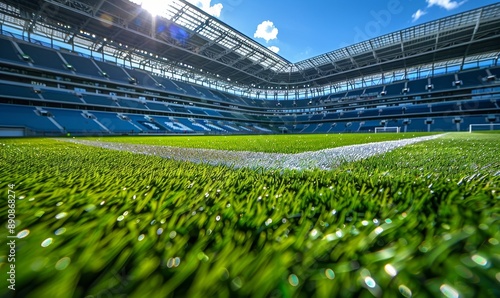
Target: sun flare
[[154, 7]]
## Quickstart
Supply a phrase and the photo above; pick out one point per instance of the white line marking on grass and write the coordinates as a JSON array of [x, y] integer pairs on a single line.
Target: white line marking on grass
[[324, 159]]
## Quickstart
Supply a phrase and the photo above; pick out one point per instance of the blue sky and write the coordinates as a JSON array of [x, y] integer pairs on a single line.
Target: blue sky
[[298, 30]]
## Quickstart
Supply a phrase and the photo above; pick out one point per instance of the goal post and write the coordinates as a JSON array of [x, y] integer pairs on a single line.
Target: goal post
[[395, 129], [484, 127]]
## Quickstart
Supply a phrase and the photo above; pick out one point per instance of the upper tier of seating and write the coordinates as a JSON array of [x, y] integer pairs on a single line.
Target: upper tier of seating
[[21, 52]]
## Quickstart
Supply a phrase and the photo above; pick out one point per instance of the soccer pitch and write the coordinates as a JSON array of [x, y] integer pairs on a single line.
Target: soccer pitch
[[420, 220]]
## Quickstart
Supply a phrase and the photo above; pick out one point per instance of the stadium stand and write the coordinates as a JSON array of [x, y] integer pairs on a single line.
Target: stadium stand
[[9, 51], [82, 65], [43, 57]]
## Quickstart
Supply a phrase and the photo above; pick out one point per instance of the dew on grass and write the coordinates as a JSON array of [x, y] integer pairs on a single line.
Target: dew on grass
[[61, 215], [59, 204], [203, 257], [63, 263], [120, 218], [159, 231], [172, 234], [493, 241], [236, 283], [389, 269], [141, 237], [23, 233], [378, 230], [329, 273], [449, 291], [339, 233], [89, 208], [405, 291], [480, 260], [370, 282], [173, 262], [293, 280], [314, 234], [46, 242], [60, 231]]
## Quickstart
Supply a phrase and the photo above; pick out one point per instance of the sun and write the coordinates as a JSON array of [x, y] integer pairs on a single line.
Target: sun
[[154, 7]]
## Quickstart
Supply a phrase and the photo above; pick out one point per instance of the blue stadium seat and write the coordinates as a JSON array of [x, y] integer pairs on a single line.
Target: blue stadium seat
[[417, 86], [417, 109], [445, 107], [26, 116], [113, 123], [158, 106], [168, 84], [495, 71], [332, 116], [443, 82], [101, 100], [131, 103], [113, 72], [473, 78], [316, 117], [18, 91], [394, 89], [349, 114], [60, 95], [82, 66], [369, 112], [148, 125], [212, 112], [74, 122], [142, 78], [9, 52], [391, 111], [481, 104], [43, 57]]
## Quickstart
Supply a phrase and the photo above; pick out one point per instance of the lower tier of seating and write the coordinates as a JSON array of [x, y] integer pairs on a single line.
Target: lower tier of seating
[[57, 121]]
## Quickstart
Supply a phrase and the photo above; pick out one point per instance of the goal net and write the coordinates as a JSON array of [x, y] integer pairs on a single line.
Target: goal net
[[387, 129], [483, 127]]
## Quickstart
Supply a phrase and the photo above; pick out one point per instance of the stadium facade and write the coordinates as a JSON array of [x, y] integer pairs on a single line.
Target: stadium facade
[[110, 67]]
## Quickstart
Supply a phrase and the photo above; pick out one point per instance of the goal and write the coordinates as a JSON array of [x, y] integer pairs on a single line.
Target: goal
[[483, 127], [387, 129]]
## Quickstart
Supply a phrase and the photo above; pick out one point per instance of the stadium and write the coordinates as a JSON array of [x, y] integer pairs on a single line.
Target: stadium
[[171, 155]]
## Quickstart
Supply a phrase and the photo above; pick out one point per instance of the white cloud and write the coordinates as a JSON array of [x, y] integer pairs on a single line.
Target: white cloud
[[266, 30], [418, 14], [274, 49], [446, 4], [205, 5]]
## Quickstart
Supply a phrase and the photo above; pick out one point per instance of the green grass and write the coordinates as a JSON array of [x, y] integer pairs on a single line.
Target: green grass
[[263, 143], [141, 225]]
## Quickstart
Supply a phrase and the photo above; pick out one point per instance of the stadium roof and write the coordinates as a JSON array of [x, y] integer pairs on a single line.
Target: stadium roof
[[185, 37]]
